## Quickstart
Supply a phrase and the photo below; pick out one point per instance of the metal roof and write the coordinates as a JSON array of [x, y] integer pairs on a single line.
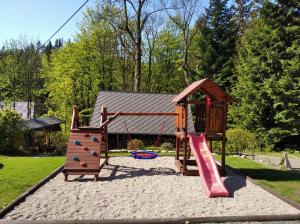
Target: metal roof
[[208, 87], [42, 122], [138, 102]]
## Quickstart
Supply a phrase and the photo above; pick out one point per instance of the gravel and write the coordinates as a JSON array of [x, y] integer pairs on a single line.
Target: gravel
[[136, 189]]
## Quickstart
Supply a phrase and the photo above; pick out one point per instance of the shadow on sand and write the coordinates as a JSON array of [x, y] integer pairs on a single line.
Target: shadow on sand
[[234, 182], [124, 172]]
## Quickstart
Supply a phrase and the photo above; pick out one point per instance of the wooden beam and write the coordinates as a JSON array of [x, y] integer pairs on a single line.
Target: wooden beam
[[185, 128], [144, 113], [106, 122], [75, 118], [196, 102]]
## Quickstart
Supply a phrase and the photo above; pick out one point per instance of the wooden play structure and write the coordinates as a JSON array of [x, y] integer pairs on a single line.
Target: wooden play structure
[[86, 144]]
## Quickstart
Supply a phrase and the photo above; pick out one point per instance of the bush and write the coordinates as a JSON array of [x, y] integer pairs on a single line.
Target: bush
[[167, 146], [239, 141], [11, 139], [59, 141], [85, 116], [135, 144]]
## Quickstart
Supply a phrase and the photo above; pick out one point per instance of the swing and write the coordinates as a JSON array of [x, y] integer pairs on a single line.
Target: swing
[[144, 154], [157, 141]]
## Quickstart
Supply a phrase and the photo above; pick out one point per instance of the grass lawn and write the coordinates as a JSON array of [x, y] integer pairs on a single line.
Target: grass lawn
[[17, 174], [286, 183]]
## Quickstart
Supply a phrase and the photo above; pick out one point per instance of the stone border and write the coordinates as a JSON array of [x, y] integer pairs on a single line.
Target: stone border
[[30, 191], [220, 219]]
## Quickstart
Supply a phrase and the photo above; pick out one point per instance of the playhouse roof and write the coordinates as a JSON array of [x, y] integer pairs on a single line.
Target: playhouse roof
[[208, 87], [42, 123], [138, 102]]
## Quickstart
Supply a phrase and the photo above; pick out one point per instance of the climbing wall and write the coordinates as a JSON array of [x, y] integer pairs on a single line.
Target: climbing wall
[[83, 153]]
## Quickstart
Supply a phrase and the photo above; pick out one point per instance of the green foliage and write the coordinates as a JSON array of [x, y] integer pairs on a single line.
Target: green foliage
[[10, 131], [167, 146], [85, 116], [268, 88], [216, 42], [59, 140], [135, 144], [239, 141]]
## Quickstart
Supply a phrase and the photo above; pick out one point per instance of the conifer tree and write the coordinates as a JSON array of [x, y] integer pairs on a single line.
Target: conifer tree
[[268, 87]]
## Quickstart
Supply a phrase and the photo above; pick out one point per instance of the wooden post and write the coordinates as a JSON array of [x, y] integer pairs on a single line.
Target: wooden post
[[118, 141], [75, 118], [105, 134], [224, 119], [185, 135]]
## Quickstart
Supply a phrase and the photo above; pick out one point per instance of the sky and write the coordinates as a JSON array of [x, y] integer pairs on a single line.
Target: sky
[[39, 19]]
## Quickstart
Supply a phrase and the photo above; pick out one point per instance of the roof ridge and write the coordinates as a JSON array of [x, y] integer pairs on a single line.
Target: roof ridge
[[131, 92]]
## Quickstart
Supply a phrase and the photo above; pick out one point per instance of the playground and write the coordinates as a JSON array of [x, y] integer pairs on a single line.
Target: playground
[[94, 186], [134, 189]]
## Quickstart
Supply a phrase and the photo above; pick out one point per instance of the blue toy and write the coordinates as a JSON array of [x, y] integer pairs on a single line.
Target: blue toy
[[144, 154], [75, 158], [93, 138], [93, 152], [76, 142]]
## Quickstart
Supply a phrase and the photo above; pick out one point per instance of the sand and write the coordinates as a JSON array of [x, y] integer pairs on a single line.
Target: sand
[[130, 188]]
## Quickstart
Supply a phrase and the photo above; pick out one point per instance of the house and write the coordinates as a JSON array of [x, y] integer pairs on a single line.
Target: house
[[25, 109], [143, 127]]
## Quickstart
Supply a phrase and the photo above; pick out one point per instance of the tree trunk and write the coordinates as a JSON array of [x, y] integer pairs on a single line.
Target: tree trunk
[[148, 87], [185, 64]]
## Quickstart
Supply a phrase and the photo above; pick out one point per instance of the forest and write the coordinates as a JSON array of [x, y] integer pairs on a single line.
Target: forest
[[249, 47]]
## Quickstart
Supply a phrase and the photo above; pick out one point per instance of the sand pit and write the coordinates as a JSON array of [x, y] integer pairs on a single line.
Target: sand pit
[[130, 188]]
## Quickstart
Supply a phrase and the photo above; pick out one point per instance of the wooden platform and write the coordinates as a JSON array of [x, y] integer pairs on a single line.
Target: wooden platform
[[80, 159]]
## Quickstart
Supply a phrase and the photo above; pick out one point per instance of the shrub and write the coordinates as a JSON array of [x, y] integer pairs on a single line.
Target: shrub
[[239, 141], [85, 116], [58, 140], [167, 146], [11, 139], [135, 144]]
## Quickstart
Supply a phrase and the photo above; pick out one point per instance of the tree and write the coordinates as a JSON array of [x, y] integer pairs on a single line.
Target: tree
[[268, 87], [184, 13], [10, 129], [19, 78], [151, 33], [136, 15], [217, 41]]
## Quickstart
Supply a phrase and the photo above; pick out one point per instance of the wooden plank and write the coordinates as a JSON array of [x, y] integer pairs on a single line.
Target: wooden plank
[[76, 134], [190, 162], [104, 124], [144, 113], [77, 164], [81, 172], [81, 152], [83, 158], [191, 173]]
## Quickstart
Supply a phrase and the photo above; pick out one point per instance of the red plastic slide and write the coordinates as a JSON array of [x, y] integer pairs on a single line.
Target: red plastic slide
[[207, 166]]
